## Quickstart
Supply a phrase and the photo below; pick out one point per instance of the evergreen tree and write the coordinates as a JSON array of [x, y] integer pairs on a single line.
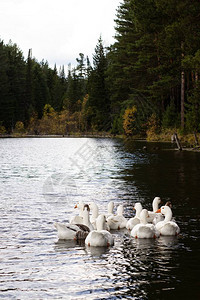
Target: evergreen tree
[[98, 102], [57, 86], [40, 90], [16, 77], [6, 98], [121, 57], [153, 66], [147, 60], [73, 91], [81, 76], [28, 105]]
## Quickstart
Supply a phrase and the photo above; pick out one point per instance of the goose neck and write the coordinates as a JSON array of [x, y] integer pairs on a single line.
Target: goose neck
[[168, 216], [95, 213], [100, 223], [86, 218], [155, 205]]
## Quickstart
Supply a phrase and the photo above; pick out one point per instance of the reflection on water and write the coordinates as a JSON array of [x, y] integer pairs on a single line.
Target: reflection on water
[[97, 251], [42, 179], [169, 241], [62, 245]]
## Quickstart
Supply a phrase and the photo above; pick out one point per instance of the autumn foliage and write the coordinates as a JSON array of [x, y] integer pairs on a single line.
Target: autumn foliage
[[129, 119]]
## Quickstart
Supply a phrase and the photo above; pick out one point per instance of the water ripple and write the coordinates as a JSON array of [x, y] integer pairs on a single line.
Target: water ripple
[[39, 184]]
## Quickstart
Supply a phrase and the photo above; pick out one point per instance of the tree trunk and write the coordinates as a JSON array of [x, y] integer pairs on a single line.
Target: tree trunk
[[196, 139], [196, 78], [162, 105], [174, 138], [182, 98], [182, 92]]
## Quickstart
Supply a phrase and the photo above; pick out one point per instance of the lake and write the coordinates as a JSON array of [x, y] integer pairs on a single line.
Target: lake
[[41, 180]]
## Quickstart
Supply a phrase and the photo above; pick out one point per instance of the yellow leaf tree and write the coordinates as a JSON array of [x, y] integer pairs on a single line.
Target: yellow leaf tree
[[129, 119]]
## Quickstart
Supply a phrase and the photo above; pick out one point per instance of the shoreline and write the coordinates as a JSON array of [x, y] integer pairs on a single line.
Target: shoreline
[[59, 136], [98, 135]]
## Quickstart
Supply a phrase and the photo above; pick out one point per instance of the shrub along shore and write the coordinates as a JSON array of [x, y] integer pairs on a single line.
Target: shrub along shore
[[189, 142], [147, 83]]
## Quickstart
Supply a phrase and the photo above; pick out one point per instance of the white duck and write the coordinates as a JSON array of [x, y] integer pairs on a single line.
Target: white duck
[[78, 219], [144, 230], [155, 206], [167, 227], [117, 221], [75, 231], [100, 237], [135, 220]]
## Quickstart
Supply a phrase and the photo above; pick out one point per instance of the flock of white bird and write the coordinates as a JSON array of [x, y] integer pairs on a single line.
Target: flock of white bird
[[96, 228]]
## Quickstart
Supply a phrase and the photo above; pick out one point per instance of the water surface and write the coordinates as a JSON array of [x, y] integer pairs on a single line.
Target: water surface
[[40, 182]]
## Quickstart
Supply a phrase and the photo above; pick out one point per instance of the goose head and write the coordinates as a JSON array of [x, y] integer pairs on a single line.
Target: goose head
[[86, 207], [120, 210], [100, 222], [86, 211], [143, 216], [138, 208], [94, 208], [168, 203], [155, 204], [80, 206], [166, 211]]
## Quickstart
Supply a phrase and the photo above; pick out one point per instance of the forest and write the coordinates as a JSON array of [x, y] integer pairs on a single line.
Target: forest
[[146, 83]]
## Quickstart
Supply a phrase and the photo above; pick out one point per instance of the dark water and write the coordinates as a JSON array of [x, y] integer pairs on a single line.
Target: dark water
[[42, 179]]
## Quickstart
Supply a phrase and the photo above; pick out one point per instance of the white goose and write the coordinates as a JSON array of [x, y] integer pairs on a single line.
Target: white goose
[[159, 217], [100, 237], [117, 221], [95, 213], [75, 231], [155, 206], [167, 227], [135, 220], [78, 219], [144, 230]]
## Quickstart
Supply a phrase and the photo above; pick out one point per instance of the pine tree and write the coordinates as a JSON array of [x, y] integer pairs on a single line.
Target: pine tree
[[16, 76], [40, 90], [73, 91], [28, 105], [146, 63], [6, 98], [121, 57], [98, 102]]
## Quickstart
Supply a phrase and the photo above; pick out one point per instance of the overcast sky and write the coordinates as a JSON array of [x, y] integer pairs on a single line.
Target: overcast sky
[[57, 30]]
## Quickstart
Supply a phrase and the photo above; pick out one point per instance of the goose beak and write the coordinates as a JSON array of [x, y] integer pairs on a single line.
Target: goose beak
[[159, 210], [76, 206], [133, 208]]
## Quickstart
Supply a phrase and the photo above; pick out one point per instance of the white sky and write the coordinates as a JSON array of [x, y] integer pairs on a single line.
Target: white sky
[[58, 30]]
